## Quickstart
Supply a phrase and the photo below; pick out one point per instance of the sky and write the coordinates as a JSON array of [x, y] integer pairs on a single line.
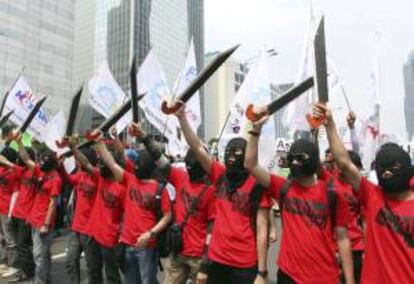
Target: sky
[[351, 27]]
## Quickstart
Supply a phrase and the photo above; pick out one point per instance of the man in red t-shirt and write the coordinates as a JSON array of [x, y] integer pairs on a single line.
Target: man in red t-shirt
[[239, 238], [388, 208], [104, 224], [20, 229], [85, 190], [194, 206], [43, 213], [140, 204], [309, 224], [9, 185]]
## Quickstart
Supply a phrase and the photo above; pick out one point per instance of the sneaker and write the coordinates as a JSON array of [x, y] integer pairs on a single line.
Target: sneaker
[[19, 277], [3, 268], [11, 272]]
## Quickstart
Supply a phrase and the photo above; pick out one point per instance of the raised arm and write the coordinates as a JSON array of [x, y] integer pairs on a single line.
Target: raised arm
[[344, 163], [24, 155], [160, 159], [81, 158], [251, 159], [194, 141], [109, 161], [5, 163]]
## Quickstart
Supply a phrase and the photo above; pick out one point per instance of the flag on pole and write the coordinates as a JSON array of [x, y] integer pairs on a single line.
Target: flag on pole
[[22, 100], [371, 126], [254, 90], [106, 96], [153, 83]]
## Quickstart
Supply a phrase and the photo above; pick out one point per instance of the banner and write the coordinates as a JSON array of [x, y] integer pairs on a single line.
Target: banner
[[22, 100], [106, 96]]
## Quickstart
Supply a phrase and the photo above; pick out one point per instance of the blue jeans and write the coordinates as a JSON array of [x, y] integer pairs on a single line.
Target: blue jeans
[[42, 257], [141, 265]]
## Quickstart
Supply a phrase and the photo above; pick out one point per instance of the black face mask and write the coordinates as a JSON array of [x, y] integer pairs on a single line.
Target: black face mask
[[105, 172], [194, 169], [306, 154], [144, 166], [395, 160], [234, 154], [48, 162]]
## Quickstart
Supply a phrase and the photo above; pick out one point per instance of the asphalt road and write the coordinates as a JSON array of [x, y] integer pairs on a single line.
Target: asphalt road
[[59, 275]]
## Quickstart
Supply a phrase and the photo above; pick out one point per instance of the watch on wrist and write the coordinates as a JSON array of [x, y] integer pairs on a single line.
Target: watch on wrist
[[263, 273], [254, 133], [153, 234]]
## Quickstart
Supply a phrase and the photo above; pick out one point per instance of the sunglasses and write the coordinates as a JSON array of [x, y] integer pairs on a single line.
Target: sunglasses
[[299, 157], [396, 169]]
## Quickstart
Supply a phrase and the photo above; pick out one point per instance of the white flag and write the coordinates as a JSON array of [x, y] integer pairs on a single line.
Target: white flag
[[55, 132], [254, 90], [22, 100], [186, 77], [106, 96], [371, 127], [153, 83]]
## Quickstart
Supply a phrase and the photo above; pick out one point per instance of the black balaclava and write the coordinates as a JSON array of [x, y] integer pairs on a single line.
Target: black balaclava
[[306, 167], [389, 156], [194, 169], [48, 160], [9, 154], [234, 154], [90, 154], [105, 171], [144, 165]]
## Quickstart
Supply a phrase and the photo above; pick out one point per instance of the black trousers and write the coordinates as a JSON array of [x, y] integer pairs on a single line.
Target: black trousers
[[102, 257], [220, 273], [283, 278], [22, 233]]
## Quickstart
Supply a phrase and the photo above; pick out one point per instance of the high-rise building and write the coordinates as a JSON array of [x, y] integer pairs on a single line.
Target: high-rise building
[[408, 72], [124, 29], [36, 38]]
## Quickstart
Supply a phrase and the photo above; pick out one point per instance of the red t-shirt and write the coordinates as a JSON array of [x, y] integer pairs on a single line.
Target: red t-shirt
[[195, 230], [105, 219], [49, 186], [355, 232], [27, 193], [129, 166], [307, 249], [389, 247], [85, 189], [233, 240], [140, 212], [9, 183]]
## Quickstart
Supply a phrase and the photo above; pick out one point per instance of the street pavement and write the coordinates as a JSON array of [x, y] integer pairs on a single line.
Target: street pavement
[[59, 275]]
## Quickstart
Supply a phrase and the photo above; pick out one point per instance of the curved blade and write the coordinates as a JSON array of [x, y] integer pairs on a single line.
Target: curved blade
[[290, 95], [134, 91], [5, 118], [320, 63], [32, 115], [3, 103], [206, 73], [73, 111]]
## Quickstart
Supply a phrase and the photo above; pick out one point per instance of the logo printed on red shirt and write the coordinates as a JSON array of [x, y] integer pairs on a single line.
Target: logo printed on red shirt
[[316, 213], [88, 190], [110, 200], [240, 201], [143, 200], [403, 226]]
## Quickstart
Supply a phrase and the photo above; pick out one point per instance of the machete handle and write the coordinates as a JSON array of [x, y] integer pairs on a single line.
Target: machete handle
[[315, 122], [253, 116], [169, 110], [62, 143], [92, 137]]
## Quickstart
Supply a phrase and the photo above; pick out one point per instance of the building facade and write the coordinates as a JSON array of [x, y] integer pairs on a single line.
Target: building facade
[[36, 39], [125, 29]]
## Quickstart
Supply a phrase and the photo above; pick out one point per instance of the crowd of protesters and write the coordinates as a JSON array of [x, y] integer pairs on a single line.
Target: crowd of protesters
[[208, 220]]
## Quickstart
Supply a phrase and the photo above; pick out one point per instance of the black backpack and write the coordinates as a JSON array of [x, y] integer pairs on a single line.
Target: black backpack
[[331, 194]]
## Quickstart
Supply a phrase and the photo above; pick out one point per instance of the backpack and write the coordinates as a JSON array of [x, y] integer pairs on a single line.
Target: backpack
[[331, 195]]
